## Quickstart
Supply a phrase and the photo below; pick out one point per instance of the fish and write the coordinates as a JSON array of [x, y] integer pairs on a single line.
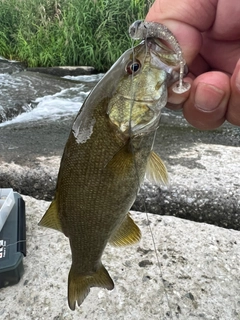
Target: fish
[[107, 155]]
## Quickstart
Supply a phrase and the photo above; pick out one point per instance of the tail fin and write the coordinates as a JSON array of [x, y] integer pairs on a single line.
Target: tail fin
[[79, 285]]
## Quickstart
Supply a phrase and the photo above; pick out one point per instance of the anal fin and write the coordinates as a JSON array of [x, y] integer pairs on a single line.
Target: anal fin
[[128, 233]]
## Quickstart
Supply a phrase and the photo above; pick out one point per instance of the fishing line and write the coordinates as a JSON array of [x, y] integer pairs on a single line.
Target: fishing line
[[29, 238], [144, 197]]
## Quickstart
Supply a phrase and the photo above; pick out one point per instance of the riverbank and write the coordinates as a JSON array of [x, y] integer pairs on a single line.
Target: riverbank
[[203, 168], [199, 274]]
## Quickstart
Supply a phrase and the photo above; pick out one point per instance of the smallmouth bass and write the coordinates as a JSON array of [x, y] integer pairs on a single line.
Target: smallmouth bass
[[107, 155]]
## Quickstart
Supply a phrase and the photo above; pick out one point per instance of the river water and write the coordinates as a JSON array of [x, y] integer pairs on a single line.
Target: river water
[[30, 96]]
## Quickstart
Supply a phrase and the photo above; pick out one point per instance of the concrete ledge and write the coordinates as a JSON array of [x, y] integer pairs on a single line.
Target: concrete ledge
[[199, 274], [65, 71], [9, 66], [203, 169]]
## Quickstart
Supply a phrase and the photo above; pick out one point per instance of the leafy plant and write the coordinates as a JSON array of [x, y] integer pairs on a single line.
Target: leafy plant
[[68, 32]]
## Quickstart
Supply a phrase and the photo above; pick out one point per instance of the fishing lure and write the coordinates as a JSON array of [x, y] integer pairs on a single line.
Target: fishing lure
[[143, 30]]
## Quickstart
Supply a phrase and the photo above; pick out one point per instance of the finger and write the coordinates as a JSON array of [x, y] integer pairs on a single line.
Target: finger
[[226, 31], [207, 104], [233, 113], [198, 66], [221, 55], [186, 19], [198, 14]]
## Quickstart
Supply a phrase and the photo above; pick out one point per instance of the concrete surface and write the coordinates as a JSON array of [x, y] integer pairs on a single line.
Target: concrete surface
[[9, 66], [64, 71], [199, 276], [203, 167]]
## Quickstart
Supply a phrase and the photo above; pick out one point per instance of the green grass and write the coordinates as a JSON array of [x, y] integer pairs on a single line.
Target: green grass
[[67, 32]]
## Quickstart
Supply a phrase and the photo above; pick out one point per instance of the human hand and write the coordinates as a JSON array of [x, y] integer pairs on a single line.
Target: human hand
[[209, 35]]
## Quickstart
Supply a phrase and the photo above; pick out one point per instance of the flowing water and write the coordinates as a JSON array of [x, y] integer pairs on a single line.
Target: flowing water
[[29, 96]]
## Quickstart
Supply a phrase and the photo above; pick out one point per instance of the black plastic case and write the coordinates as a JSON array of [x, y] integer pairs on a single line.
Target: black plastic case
[[13, 244]]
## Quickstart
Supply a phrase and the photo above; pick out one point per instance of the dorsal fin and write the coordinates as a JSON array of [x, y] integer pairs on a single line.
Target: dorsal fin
[[156, 171]]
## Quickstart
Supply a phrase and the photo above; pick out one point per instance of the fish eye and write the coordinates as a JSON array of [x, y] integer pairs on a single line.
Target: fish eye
[[133, 67]]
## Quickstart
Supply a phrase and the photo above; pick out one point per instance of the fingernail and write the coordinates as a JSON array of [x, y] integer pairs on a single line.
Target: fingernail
[[208, 97]]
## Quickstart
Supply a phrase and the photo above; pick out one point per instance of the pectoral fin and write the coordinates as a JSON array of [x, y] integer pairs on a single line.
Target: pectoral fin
[[128, 233], [50, 218], [121, 161], [156, 171]]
